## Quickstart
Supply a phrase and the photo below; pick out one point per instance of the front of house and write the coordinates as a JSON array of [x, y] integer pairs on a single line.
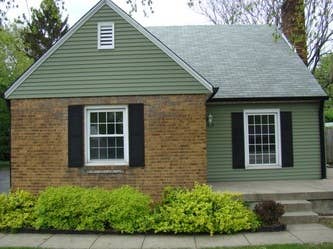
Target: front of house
[[113, 103]]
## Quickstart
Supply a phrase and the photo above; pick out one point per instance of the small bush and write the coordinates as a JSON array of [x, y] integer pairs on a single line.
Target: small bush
[[74, 208], [269, 212], [16, 210], [202, 210], [129, 210]]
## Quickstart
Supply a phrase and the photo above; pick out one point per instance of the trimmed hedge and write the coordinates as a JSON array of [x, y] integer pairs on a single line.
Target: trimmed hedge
[[126, 210], [17, 210], [202, 210]]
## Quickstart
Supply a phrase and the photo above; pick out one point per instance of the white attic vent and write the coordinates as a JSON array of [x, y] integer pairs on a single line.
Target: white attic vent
[[106, 35]]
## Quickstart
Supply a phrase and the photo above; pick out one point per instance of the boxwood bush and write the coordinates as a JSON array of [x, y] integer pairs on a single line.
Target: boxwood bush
[[75, 208], [197, 210], [202, 210], [16, 210]]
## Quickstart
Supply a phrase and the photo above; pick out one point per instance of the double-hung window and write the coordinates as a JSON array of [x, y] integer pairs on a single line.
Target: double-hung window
[[106, 135], [262, 138]]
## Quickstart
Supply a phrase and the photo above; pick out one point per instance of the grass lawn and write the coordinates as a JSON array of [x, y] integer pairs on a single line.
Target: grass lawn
[[4, 164], [291, 246]]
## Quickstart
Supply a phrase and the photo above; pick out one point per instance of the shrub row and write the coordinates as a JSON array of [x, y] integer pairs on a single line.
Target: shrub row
[[197, 210]]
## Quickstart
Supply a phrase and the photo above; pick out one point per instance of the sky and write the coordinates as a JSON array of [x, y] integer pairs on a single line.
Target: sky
[[166, 12]]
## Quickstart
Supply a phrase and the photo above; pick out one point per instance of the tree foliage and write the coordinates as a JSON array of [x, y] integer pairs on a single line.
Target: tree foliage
[[44, 29], [13, 62], [318, 19]]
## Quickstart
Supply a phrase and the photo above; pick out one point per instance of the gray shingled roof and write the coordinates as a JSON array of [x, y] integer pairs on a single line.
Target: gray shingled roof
[[244, 61]]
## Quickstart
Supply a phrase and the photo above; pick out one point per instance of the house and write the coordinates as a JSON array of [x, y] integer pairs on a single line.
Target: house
[[115, 103]]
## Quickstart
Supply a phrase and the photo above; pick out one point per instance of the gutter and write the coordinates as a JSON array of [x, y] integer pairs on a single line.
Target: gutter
[[320, 98], [215, 90]]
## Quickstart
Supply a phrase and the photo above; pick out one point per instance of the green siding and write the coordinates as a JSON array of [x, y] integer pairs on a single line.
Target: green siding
[[135, 67], [305, 143]]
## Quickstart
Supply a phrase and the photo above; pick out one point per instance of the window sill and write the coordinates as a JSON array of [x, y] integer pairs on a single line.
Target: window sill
[[105, 169], [263, 167]]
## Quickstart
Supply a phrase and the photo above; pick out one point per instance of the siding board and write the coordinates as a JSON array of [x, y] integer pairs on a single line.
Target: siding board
[[305, 140], [135, 67]]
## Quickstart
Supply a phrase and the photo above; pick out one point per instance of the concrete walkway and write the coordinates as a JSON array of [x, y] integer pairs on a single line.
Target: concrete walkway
[[296, 234]]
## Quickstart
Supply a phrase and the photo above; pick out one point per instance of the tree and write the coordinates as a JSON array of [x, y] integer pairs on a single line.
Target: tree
[[318, 19], [45, 28], [13, 62]]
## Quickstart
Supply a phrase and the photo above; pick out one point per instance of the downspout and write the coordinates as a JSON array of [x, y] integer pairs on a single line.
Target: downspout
[[322, 140]]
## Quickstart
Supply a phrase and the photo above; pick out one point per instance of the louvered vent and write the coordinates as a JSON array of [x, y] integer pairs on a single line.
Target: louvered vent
[[106, 35]]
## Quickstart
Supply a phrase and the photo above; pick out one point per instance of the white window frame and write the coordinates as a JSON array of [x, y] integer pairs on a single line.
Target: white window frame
[[106, 108], [99, 35], [276, 113]]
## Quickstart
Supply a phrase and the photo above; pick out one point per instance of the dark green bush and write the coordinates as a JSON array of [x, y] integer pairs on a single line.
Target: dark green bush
[[16, 210], [202, 210], [74, 208]]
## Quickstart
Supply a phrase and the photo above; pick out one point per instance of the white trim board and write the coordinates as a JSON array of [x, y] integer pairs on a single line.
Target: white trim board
[[131, 21]]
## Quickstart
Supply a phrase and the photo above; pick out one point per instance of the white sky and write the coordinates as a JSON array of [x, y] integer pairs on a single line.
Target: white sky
[[166, 12]]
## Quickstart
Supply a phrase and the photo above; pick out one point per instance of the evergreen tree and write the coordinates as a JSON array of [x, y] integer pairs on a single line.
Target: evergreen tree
[[44, 29]]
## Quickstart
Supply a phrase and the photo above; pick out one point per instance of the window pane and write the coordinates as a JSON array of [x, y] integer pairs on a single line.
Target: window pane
[[272, 158], [265, 159], [258, 139], [252, 149], [251, 129], [264, 119], [272, 139], [272, 148], [94, 142], [265, 139], [93, 129], [271, 129], [93, 154], [265, 149], [111, 142], [257, 119], [258, 149], [93, 117], [258, 158], [251, 139], [120, 153], [102, 117], [258, 129], [103, 153], [120, 141], [251, 119], [111, 153], [252, 159], [271, 119], [265, 129], [111, 129], [111, 117], [119, 128], [103, 142], [102, 128], [119, 117]]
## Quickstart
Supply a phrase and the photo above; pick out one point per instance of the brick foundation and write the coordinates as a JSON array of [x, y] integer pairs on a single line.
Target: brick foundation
[[175, 144]]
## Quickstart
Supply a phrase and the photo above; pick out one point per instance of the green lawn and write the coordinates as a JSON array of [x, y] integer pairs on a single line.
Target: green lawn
[[291, 246], [4, 164]]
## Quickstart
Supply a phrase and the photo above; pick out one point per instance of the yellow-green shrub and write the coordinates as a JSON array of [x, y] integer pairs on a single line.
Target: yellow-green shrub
[[16, 210], [75, 208], [202, 210]]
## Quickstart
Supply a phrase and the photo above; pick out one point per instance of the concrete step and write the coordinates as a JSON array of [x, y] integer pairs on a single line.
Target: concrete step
[[296, 205], [318, 195], [300, 217]]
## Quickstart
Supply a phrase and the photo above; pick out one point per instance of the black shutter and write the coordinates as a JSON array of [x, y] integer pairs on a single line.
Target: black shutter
[[287, 139], [238, 156], [75, 136], [136, 135]]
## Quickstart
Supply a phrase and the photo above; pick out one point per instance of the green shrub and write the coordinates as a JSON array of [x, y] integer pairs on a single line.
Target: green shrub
[[16, 210], [202, 210], [129, 210], [74, 208]]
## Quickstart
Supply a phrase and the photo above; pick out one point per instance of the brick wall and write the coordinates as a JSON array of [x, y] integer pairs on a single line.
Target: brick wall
[[175, 144]]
